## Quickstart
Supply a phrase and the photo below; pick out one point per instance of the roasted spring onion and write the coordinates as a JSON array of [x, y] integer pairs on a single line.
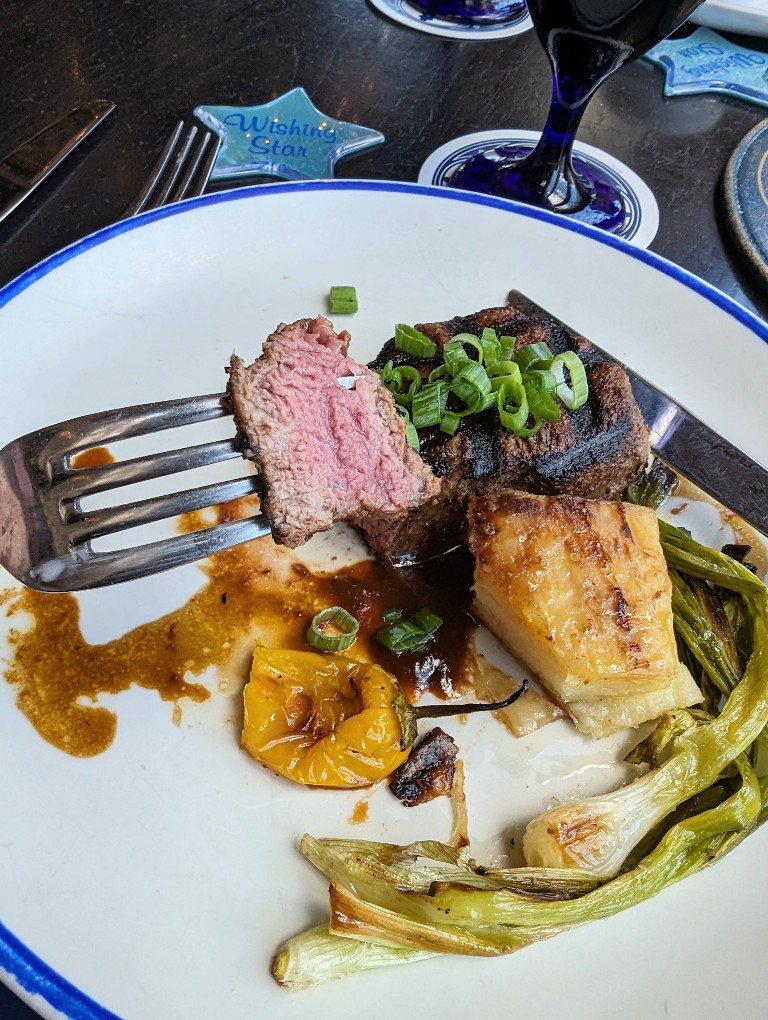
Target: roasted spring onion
[[702, 796]]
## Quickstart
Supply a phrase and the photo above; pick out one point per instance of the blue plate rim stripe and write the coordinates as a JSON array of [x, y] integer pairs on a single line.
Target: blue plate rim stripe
[[33, 975], [36, 978], [678, 273]]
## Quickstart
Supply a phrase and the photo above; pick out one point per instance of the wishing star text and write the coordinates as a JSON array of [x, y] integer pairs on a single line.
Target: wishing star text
[[272, 136]]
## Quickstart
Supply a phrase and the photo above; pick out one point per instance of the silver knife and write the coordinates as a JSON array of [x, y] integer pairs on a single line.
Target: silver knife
[[702, 455], [23, 169]]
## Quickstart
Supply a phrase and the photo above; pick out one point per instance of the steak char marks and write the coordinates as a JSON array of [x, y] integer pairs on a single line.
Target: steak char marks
[[591, 452]]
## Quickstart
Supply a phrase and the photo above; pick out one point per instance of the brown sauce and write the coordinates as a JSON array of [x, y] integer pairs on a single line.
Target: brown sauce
[[255, 594], [359, 813], [97, 456]]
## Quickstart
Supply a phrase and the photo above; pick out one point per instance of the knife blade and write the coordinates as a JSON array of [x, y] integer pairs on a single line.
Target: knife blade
[[703, 456], [23, 169]]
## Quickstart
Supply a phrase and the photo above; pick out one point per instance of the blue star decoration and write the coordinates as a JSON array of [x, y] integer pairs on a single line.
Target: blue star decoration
[[706, 62], [287, 138]]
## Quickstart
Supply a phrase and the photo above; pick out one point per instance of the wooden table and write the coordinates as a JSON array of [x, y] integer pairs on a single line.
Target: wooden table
[[157, 60]]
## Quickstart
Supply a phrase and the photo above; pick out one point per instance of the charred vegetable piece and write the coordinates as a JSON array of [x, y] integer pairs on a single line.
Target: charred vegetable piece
[[428, 771], [326, 720]]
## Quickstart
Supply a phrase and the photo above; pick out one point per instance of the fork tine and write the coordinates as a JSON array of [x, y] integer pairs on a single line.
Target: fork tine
[[130, 515], [161, 196], [81, 568], [185, 188], [155, 174], [90, 480], [70, 437]]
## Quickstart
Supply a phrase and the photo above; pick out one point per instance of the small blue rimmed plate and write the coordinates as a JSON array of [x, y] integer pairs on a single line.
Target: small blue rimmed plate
[[642, 220], [408, 14]]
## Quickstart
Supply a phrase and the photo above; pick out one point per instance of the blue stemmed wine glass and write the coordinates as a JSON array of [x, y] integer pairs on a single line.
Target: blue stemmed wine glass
[[586, 41], [472, 12]]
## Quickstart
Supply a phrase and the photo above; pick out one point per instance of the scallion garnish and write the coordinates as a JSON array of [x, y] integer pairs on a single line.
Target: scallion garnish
[[411, 341], [410, 635], [484, 373], [427, 408], [411, 435], [343, 300], [332, 629], [575, 394], [529, 355]]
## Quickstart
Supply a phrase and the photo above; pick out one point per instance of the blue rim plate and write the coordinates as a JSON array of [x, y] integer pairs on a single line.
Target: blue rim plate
[[671, 326]]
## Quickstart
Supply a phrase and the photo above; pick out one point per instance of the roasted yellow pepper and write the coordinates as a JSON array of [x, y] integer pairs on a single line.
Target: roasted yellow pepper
[[326, 720]]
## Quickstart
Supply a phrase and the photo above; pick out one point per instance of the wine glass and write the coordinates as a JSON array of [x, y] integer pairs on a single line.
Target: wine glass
[[472, 12], [586, 41]]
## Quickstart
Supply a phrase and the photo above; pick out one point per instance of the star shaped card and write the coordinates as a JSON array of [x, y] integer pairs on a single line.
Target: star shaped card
[[287, 138], [706, 62]]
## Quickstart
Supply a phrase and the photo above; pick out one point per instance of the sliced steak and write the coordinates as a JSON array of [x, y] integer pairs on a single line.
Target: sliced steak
[[324, 453], [428, 770], [592, 452]]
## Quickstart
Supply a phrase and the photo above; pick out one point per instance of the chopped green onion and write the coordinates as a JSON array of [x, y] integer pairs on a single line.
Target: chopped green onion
[[546, 378], [540, 403], [335, 618], [491, 348], [467, 340], [470, 385], [438, 374], [513, 404], [479, 374], [454, 356], [575, 394], [529, 355], [409, 635], [411, 341], [403, 383], [427, 408], [343, 300], [411, 435], [428, 621], [449, 422], [507, 347], [390, 615]]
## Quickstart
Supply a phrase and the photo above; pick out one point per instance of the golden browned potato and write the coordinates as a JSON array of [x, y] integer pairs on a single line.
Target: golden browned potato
[[578, 590]]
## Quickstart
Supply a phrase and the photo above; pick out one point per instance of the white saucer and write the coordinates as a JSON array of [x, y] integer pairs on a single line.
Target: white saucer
[[643, 221], [407, 14]]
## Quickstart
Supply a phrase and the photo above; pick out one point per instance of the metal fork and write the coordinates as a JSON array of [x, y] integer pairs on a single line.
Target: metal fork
[[181, 171], [45, 535]]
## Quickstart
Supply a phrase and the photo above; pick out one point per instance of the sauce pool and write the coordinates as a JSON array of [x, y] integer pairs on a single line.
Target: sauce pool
[[254, 594]]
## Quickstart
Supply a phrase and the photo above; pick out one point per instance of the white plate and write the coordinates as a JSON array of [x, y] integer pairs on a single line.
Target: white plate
[[746, 16], [156, 879]]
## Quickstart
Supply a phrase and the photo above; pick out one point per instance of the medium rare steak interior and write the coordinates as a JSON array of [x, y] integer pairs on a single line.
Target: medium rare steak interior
[[591, 452], [324, 453]]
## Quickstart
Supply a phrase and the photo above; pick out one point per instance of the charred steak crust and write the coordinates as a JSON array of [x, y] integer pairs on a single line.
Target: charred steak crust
[[592, 452], [324, 453]]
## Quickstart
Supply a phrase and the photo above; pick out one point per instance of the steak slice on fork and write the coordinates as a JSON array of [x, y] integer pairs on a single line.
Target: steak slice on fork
[[324, 453]]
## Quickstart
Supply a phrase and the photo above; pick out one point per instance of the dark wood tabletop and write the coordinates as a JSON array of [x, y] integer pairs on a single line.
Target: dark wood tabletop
[[157, 60]]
